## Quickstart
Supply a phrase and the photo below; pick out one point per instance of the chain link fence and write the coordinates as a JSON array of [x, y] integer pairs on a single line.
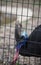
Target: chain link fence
[[9, 14]]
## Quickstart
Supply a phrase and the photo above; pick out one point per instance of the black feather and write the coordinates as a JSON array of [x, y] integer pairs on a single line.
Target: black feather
[[33, 45]]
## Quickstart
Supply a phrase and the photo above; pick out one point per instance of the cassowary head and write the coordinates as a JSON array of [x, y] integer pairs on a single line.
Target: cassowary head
[[21, 38], [18, 28]]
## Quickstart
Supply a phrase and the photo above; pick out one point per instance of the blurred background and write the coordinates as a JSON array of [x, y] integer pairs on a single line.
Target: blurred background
[[8, 17]]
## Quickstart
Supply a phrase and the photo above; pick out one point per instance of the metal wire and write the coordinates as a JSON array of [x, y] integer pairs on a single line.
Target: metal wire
[[7, 40]]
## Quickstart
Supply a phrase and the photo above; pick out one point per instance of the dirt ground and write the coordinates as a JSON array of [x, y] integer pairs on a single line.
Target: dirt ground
[[7, 31]]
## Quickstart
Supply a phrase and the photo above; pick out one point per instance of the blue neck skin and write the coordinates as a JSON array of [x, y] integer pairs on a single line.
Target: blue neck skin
[[24, 40], [21, 43]]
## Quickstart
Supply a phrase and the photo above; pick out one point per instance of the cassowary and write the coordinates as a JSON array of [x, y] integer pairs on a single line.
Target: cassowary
[[29, 46]]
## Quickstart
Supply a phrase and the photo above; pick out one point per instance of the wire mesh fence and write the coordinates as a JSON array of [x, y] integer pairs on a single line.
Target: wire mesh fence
[[28, 12]]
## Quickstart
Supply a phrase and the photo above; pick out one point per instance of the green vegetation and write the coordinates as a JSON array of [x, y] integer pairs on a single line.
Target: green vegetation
[[18, 63]]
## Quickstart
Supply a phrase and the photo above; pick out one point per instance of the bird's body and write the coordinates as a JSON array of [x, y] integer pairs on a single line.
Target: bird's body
[[33, 45]]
